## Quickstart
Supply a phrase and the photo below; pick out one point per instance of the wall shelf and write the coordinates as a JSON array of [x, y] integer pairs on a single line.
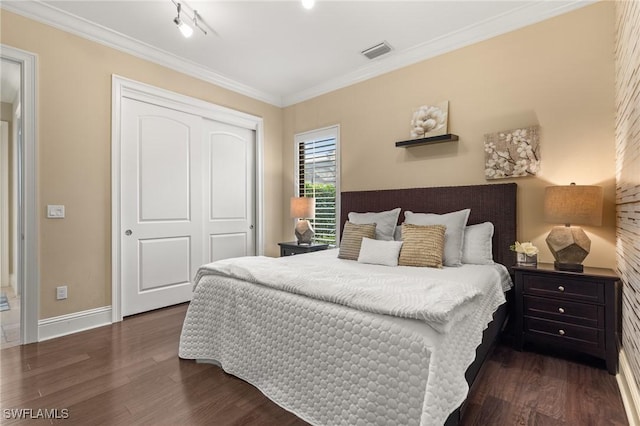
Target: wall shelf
[[427, 141]]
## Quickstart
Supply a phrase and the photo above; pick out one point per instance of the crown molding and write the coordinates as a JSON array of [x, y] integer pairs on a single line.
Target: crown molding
[[73, 24], [510, 21]]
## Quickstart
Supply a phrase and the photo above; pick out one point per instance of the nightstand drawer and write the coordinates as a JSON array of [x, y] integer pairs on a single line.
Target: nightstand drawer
[[288, 252], [581, 290], [560, 310], [565, 333]]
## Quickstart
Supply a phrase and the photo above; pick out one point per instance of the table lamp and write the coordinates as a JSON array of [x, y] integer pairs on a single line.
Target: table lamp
[[572, 205], [303, 208]]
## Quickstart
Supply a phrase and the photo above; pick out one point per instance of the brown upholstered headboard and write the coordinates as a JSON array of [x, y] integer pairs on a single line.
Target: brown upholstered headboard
[[488, 203]]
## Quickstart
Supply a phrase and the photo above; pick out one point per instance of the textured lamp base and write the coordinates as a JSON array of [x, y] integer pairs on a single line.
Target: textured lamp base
[[304, 232], [569, 246]]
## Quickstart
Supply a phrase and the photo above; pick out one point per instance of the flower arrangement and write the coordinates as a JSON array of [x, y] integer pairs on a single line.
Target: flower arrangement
[[527, 253], [527, 248]]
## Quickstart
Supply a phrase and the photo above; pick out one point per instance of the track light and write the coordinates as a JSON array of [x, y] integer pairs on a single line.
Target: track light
[[308, 4], [185, 28]]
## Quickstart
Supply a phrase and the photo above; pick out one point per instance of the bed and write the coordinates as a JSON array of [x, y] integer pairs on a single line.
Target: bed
[[331, 359]]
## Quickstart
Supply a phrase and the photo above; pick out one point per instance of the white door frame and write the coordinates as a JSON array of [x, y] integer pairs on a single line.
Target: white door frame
[[28, 273], [4, 203], [122, 87]]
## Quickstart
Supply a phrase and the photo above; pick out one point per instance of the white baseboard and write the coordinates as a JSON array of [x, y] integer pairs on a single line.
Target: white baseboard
[[53, 327], [629, 391]]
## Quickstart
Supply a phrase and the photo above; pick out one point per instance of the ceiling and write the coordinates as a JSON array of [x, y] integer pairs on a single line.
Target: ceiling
[[281, 53]]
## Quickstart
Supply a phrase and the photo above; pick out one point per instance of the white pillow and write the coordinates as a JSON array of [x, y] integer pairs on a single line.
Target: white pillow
[[477, 247], [385, 222], [379, 252], [397, 234], [453, 236]]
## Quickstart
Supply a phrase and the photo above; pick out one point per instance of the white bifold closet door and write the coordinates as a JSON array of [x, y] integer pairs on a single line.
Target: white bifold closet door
[[229, 191], [187, 198]]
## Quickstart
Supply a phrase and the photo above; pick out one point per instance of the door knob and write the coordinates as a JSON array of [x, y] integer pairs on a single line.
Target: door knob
[[128, 232], [250, 226]]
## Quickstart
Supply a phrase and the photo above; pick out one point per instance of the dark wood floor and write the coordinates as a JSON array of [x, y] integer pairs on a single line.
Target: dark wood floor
[[527, 388], [129, 373]]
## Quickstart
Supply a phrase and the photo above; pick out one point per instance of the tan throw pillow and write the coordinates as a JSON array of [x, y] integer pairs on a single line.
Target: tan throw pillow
[[352, 236], [423, 245]]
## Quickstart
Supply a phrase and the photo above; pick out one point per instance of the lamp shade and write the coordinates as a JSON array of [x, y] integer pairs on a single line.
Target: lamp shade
[[573, 205], [303, 207]]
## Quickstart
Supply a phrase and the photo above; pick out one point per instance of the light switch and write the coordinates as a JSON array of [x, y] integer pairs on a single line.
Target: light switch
[[55, 211]]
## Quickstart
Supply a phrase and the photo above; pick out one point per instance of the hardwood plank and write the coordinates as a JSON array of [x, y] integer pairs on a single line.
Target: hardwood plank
[[492, 411], [129, 373]]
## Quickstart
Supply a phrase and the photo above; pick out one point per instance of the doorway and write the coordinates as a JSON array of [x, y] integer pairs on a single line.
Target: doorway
[[9, 291], [19, 301]]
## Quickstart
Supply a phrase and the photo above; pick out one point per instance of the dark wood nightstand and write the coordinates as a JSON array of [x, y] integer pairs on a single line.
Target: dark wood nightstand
[[291, 248], [575, 311]]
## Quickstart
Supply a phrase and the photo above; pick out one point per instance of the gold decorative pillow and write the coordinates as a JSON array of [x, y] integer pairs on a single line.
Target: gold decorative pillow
[[423, 245], [352, 236]]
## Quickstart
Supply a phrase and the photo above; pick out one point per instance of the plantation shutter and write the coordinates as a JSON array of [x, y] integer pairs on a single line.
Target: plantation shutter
[[317, 177]]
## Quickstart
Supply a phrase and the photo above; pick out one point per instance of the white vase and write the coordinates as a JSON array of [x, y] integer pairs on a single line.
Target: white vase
[[524, 259]]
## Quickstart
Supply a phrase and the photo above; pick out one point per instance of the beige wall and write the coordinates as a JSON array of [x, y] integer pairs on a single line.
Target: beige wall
[[6, 111], [74, 150], [558, 74]]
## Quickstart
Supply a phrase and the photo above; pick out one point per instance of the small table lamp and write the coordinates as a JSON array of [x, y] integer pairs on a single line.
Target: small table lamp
[[572, 205], [303, 208]]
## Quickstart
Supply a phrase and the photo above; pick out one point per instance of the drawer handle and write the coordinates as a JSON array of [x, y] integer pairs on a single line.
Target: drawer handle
[[561, 332], [561, 288], [561, 310]]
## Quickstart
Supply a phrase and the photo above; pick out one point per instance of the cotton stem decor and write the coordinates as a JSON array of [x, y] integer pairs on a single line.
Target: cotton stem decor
[[430, 120]]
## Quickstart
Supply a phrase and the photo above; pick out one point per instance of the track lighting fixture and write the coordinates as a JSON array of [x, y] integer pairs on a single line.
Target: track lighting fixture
[[308, 4], [185, 29], [197, 21]]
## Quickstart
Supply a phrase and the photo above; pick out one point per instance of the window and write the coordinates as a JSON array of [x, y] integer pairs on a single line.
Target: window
[[317, 171]]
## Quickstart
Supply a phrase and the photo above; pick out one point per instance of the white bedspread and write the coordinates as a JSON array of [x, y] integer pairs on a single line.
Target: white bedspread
[[329, 363], [436, 301]]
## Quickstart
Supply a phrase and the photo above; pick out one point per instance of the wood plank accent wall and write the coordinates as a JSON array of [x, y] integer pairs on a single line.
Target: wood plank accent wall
[[627, 53]]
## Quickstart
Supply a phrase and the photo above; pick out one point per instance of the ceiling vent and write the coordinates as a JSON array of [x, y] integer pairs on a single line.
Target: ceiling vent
[[377, 50]]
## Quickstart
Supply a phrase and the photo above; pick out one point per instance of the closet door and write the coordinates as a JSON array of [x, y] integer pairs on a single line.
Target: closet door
[[229, 191], [161, 205]]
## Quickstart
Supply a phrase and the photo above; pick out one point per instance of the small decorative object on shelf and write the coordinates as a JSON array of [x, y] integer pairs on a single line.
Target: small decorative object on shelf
[[430, 120], [526, 253]]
